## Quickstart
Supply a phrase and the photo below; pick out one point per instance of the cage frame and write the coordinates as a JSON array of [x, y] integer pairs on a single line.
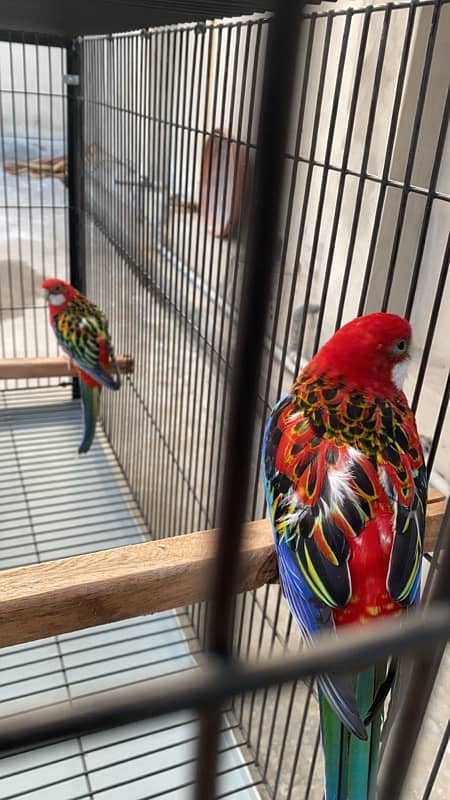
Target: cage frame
[[221, 677]]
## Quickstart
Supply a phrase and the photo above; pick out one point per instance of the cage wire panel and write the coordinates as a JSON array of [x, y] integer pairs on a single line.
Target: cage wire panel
[[33, 203], [170, 121], [54, 505], [171, 116]]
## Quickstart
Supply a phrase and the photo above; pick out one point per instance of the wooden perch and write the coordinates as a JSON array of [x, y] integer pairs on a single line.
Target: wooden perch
[[56, 367], [74, 593], [435, 514]]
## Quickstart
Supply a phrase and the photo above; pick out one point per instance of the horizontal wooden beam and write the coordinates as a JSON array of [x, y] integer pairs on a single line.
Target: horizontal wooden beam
[[435, 514], [74, 593], [56, 367]]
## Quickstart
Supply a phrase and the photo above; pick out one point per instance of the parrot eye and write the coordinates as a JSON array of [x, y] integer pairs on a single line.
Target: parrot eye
[[401, 346], [56, 289]]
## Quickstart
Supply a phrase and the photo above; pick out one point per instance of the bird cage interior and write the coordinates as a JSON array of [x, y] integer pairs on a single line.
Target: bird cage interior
[[127, 166]]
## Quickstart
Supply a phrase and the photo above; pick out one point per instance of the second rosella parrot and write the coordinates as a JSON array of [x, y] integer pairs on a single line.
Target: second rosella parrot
[[81, 330], [346, 489]]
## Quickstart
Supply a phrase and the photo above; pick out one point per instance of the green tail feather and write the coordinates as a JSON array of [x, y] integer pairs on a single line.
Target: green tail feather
[[350, 763], [90, 396]]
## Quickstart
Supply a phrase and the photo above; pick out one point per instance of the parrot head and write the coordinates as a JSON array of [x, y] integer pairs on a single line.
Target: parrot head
[[368, 353], [58, 292]]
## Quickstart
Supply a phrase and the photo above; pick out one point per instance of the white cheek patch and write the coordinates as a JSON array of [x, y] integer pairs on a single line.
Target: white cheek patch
[[57, 299], [399, 374]]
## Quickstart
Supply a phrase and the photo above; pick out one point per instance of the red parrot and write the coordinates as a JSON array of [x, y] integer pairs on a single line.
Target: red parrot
[[82, 331], [346, 489]]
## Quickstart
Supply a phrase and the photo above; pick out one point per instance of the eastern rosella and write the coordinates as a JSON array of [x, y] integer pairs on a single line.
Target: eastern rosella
[[82, 331], [346, 489]]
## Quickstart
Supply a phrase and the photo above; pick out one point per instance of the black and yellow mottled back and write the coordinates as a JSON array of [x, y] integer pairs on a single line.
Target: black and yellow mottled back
[[82, 331], [333, 460]]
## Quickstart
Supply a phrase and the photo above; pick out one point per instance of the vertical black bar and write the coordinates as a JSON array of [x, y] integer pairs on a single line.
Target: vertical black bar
[[437, 763], [309, 45], [305, 205], [442, 138], [29, 199], [364, 164], [395, 114], [312, 767], [443, 408], [277, 93], [412, 150], [434, 316], [75, 169], [23, 339]]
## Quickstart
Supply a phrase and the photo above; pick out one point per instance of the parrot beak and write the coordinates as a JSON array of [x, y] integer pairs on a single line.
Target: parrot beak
[[46, 294]]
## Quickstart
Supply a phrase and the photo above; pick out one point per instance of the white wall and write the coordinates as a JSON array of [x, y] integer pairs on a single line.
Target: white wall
[[310, 228]]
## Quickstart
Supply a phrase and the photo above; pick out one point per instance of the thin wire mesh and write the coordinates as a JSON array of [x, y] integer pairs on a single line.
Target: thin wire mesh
[[33, 204], [172, 116], [366, 85], [91, 509]]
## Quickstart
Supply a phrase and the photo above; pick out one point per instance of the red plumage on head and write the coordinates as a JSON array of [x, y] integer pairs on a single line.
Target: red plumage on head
[[363, 353], [52, 284], [56, 286]]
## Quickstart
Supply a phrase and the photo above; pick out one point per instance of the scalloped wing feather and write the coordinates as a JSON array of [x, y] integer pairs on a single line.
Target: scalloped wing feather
[[321, 493], [82, 331], [312, 615], [407, 490], [332, 460]]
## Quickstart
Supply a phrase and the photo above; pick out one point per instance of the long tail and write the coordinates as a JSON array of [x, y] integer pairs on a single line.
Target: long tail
[[90, 396], [350, 763]]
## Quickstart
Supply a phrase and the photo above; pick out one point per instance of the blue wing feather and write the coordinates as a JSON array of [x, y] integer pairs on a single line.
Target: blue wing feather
[[313, 616]]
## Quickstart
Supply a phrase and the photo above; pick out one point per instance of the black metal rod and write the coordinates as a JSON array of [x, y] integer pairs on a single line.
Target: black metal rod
[[357, 212], [75, 168], [437, 763], [410, 712], [432, 325], [219, 680], [75, 172], [32, 37], [277, 92], [443, 408], [412, 150]]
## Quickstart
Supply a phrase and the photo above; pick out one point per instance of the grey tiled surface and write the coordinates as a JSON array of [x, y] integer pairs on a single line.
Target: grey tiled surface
[[55, 504]]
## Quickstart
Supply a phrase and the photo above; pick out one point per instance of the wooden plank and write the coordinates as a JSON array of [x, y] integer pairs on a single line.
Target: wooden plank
[[435, 515], [67, 595], [56, 367], [434, 496]]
